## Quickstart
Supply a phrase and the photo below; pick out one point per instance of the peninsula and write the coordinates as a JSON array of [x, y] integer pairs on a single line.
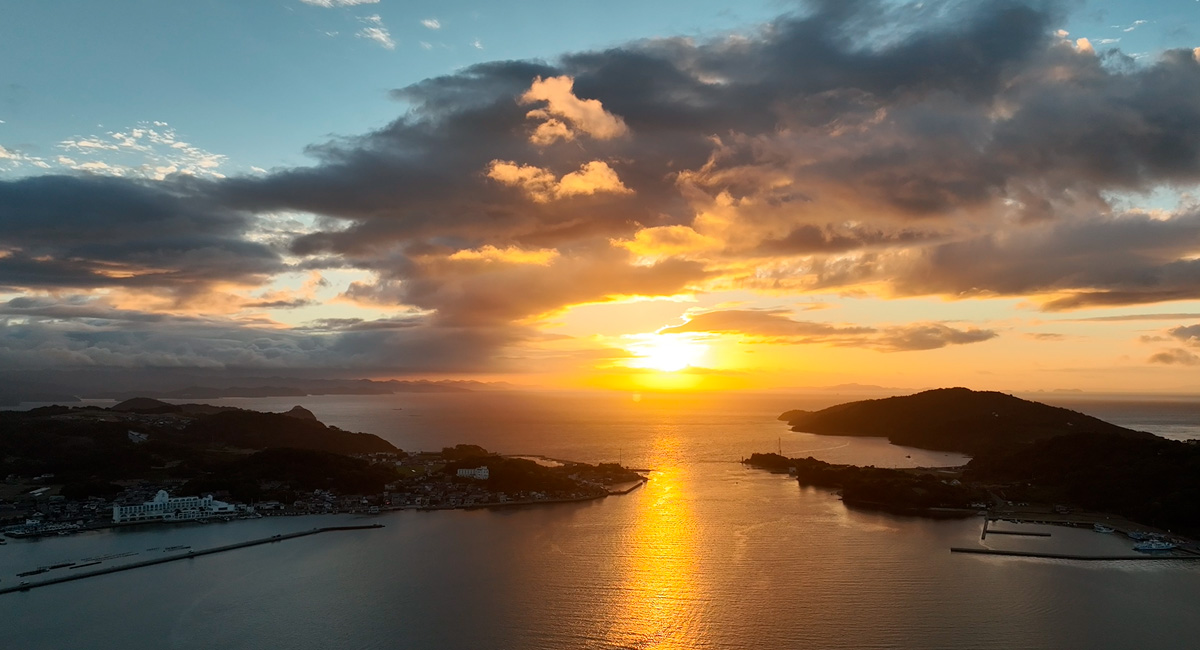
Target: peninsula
[[67, 468], [1022, 451]]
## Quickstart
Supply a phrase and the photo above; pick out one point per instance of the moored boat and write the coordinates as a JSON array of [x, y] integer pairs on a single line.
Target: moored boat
[[1101, 528], [1152, 545]]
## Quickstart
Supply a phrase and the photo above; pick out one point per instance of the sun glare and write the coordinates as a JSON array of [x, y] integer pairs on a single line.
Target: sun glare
[[666, 352]]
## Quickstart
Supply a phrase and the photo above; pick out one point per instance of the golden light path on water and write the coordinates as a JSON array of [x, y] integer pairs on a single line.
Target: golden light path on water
[[662, 609]]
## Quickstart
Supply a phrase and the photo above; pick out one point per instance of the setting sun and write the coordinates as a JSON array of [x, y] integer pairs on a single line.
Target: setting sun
[[667, 352]]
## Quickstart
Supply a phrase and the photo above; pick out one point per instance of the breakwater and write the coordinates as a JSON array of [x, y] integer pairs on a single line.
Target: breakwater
[[182, 556], [1069, 556]]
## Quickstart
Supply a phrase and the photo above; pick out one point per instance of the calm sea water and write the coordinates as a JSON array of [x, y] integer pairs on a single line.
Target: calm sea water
[[708, 554]]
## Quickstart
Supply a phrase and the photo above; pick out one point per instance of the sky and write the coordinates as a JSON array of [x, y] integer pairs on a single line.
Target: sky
[[629, 196]]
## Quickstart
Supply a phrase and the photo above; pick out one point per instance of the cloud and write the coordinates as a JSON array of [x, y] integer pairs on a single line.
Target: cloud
[[1135, 317], [11, 160], [147, 150], [510, 255], [338, 3], [950, 149], [594, 177], [1176, 356], [431, 23], [1126, 259], [95, 231], [498, 288], [376, 31], [565, 113], [1189, 334], [775, 325], [83, 333]]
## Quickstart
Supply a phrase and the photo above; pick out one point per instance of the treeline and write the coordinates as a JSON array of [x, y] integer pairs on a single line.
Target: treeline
[[281, 473], [1152, 481], [254, 430], [86, 449], [880, 487], [513, 474]]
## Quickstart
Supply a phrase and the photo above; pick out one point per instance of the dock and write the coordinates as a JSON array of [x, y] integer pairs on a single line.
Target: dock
[[182, 556], [1021, 533], [1069, 556]]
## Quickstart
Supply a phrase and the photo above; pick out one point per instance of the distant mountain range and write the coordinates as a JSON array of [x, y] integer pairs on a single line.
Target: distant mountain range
[[64, 390], [302, 388]]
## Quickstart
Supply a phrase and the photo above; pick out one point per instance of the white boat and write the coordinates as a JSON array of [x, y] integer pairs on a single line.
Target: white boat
[[1101, 528], [1153, 545]]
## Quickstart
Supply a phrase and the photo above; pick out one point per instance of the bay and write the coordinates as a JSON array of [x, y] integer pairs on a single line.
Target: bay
[[708, 554]]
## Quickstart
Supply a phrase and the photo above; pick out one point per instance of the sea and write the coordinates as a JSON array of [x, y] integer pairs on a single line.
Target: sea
[[707, 554]]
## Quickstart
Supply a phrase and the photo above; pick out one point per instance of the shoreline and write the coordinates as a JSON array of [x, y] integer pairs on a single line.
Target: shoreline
[[116, 526]]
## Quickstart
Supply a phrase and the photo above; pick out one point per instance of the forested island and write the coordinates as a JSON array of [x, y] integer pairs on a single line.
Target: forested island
[[953, 419], [70, 465], [1022, 451]]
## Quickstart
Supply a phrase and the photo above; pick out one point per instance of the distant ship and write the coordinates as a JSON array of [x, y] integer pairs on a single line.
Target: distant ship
[[1101, 528], [1153, 545]]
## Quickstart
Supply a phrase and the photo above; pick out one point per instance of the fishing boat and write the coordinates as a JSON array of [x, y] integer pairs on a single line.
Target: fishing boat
[[1101, 528], [1153, 545]]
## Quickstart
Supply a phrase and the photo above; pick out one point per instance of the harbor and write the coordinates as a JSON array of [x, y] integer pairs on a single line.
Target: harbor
[[1149, 545]]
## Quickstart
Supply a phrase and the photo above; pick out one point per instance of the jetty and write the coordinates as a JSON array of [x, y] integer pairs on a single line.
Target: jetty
[[182, 556], [1070, 556], [1020, 533]]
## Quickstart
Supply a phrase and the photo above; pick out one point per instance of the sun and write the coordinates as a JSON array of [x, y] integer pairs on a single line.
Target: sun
[[666, 352]]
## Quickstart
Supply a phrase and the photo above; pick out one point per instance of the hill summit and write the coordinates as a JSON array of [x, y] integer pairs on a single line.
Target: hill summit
[[952, 419]]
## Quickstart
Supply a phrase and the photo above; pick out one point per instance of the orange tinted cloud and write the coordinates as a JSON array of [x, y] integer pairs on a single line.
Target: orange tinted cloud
[[565, 113], [595, 177]]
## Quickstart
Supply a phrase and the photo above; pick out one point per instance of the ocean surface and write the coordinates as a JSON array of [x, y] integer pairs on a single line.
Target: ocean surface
[[708, 554]]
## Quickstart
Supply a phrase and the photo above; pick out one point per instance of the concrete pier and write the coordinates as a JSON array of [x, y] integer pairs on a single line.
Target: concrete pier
[[181, 556], [1021, 533], [1068, 556]]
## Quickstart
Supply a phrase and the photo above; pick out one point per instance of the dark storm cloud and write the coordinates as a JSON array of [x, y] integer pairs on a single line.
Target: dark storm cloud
[[95, 231], [943, 148], [853, 110], [809, 239], [487, 292], [80, 332], [893, 112], [777, 326], [295, 303], [1129, 259], [421, 176]]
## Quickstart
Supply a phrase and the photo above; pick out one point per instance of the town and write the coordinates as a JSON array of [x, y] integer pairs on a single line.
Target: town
[[424, 481]]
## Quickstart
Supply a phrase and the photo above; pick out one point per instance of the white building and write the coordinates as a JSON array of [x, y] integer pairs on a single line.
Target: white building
[[164, 507], [479, 473]]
